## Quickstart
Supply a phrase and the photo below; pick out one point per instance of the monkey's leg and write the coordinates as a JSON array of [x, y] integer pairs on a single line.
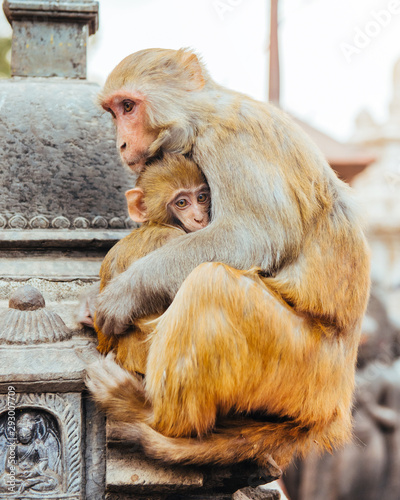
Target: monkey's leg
[[228, 343]]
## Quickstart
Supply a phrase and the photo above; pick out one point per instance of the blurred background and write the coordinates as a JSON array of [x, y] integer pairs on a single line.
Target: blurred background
[[318, 83], [335, 67]]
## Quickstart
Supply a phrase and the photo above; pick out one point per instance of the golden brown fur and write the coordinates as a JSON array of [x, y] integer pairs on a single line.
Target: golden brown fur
[[158, 182], [131, 348], [234, 344]]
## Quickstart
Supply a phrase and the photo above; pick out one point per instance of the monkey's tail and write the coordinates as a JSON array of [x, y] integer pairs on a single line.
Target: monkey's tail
[[234, 440]]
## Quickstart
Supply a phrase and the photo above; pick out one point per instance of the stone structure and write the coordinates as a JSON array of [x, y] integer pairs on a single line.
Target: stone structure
[[61, 208], [51, 437], [61, 184]]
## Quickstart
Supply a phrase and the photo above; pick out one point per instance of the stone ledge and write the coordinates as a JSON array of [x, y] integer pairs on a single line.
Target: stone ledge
[[131, 474], [55, 238], [59, 367]]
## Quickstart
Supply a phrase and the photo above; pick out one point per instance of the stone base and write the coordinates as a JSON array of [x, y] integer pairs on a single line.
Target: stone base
[[256, 494], [132, 475]]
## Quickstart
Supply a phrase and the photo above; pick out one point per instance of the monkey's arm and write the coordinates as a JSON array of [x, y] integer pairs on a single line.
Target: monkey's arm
[[150, 284]]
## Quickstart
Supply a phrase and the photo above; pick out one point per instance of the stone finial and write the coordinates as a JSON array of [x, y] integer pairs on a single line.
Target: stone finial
[[50, 36], [28, 322], [26, 298]]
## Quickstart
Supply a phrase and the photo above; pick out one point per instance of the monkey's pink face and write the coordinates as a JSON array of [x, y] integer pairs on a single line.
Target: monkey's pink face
[[128, 111], [191, 207]]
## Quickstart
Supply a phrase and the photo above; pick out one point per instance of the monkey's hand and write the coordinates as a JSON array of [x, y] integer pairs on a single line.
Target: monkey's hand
[[124, 300], [114, 306]]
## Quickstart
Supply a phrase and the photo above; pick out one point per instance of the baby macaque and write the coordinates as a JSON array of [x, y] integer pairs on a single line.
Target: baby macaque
[[171, 198]]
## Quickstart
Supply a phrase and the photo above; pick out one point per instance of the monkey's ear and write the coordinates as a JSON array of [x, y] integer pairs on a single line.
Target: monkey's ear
[[136, 206], [190, 62]]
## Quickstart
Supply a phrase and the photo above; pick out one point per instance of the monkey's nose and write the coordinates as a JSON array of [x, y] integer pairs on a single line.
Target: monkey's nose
[[123, 147]]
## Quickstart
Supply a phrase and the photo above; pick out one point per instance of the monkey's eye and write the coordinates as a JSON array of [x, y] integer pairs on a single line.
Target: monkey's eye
[[182, 203], [202, 198], [128, 106]]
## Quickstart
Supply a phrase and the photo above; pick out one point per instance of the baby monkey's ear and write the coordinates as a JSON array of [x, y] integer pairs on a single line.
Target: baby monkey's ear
[[136, 207]]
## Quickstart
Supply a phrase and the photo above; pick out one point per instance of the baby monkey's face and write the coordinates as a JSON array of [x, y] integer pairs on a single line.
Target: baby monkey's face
[[191, 207]]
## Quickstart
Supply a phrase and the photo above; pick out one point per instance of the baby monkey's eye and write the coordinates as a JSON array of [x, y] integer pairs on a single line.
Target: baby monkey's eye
[[182, 203], [128, 106], [202, 198]]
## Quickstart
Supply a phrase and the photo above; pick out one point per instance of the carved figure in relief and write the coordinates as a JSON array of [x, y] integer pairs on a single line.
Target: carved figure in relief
[[33, 454]]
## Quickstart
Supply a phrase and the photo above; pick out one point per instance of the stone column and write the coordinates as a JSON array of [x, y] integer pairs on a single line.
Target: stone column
[[50, 37]]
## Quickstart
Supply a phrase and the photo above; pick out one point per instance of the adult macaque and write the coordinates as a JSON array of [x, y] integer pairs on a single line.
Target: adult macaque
[[234, 345], [171, 198]]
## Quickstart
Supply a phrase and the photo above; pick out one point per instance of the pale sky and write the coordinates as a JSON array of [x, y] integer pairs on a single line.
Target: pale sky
[[318, 82]]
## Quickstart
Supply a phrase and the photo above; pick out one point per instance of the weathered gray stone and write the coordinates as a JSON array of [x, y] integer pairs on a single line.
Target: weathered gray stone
[[50, 37], [27, 322], [36, 353], [32, 327], [61, 294], [132, 475], [56, 437], [55, 367], [256, 494], [41, 427], [58, 157], [274, 486], [129, 470], [94, 450], [61, 208], [55, 266]]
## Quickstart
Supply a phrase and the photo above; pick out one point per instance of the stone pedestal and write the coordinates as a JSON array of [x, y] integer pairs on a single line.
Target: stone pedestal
[[52, 440]]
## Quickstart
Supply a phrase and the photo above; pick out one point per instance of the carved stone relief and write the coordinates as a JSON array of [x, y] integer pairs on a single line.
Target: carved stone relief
[[40, 446], [32, 462], [28, 322], [19, 221]]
